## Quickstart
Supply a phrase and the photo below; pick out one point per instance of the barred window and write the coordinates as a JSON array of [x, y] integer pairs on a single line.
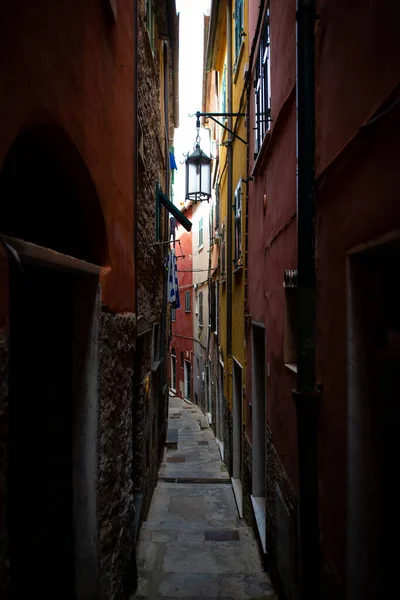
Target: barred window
[[262, 88], [238, 221]]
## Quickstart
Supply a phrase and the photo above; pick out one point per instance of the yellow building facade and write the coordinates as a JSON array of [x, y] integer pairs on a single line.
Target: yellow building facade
[[225, 92]]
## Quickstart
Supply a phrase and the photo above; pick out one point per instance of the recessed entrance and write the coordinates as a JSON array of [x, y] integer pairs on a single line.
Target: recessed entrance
[[373, 420], [186, 382], [237, 435], [258, 429], [51, 215], [52, 468]]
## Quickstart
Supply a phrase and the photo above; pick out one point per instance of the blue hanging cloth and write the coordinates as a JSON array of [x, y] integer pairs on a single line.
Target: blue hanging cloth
[[173, 289], [172, 161]]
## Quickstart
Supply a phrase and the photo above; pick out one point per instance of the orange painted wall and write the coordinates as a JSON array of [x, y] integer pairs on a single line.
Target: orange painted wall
[[69, 64]]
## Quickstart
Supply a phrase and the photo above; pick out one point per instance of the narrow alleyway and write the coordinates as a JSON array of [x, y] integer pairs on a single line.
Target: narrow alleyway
[[193, 544]]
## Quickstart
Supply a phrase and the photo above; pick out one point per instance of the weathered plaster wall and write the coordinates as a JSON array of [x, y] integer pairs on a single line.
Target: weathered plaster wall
[[115, 498], [78, 64], [357, 201]]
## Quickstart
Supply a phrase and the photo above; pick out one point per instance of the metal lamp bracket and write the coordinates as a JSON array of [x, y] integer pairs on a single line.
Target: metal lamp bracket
[[213, 116]]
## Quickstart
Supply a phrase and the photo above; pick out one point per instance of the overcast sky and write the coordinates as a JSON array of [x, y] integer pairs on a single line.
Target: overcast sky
[[190, 82]]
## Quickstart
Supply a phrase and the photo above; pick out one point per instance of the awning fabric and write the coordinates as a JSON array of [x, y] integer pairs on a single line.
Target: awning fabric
[[174, 210]]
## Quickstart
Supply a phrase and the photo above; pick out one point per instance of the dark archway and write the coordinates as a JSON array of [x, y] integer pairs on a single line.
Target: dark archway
[[47, 196]]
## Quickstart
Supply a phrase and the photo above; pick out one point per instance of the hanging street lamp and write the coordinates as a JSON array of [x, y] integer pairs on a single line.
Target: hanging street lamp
[[198, 172]]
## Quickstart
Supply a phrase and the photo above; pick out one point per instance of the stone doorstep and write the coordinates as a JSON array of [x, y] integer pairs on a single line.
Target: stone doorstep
[[204, 423], [176, 459], [172, 439]]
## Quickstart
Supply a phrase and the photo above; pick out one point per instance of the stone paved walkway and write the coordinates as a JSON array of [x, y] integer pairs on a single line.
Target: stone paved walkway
[[193, 544]]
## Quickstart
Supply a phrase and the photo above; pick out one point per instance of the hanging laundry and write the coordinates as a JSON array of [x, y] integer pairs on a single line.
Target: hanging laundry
[[173, 289], [172, 161]]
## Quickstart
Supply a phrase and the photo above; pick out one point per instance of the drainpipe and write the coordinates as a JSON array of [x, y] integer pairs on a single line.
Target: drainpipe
[[305, 395], [230, 176]]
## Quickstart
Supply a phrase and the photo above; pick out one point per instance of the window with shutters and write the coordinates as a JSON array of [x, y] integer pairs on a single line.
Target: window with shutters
[[201, 233], [212, 307], [201, 308], [217, 207], [223, 92], [238, 223], [173, 314], [239, 27], [262, 88], [212, 225], [223, 254], [187, 301]]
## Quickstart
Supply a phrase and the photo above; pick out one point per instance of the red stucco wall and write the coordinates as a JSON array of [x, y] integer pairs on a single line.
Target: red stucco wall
[[357, 200], [272, 243], [358, 54], [66, 63], [182, 328]]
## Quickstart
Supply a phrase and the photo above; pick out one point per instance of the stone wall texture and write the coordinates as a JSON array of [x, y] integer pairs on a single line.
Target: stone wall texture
[[3, 462], [116, 511], [150, 392], [276, 475], [247, 483]]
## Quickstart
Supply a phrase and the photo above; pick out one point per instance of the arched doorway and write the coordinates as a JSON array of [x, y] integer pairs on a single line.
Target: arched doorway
[[47, 196], [50, 213]]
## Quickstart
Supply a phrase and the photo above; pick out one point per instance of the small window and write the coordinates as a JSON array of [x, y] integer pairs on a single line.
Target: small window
[[212, 307], [223, 92], [182, 360], [200, 308], [201, 233], [239, 27], [173, 314], [223, 253], [217, 209], [238, 222], [212, 225], [187, 301]]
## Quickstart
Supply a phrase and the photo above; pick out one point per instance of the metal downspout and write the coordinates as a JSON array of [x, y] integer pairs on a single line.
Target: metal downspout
[[229, 150], [306, 395]]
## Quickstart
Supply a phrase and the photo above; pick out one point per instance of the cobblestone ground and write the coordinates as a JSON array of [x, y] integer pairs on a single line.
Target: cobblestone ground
[[193, 544]]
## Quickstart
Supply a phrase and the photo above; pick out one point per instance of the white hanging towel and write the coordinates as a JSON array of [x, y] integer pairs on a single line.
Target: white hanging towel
[[173, 289]]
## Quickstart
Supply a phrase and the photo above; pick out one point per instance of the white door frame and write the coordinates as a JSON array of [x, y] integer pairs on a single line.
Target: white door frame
[[186, 379], [219, 408], [173, 373], [237, 417], [258, 419]]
